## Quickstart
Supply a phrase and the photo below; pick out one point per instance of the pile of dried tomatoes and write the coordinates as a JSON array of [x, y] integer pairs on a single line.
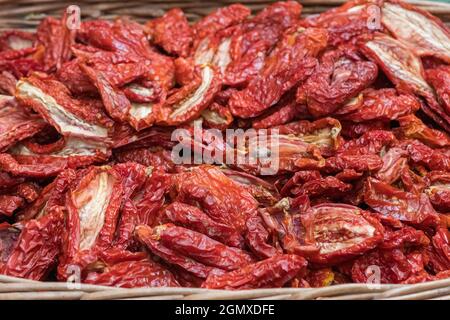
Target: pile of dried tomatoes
[[358, 98]]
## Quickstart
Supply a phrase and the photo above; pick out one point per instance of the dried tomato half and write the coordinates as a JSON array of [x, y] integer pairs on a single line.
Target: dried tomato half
[[425, 34], [16, 124], [340, 75], [391, 202], [291, 61], [270, 273], [340, 231], [82, 118], [221, 198]]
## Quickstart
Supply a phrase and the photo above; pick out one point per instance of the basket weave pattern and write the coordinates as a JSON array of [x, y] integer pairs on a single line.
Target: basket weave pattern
[[26, 14]]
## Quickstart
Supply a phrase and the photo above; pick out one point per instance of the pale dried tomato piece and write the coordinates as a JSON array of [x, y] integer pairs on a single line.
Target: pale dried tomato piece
[[16, 40], [399, 64], [340, 231], [323, 133], [405, 70], [395, 161], [71, 153], [413, 128], [93, 203], [217, 116], [424, 33], [82, 118]]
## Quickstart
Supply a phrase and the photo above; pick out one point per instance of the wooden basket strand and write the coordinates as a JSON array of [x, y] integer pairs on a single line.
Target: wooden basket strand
[[14, 288]]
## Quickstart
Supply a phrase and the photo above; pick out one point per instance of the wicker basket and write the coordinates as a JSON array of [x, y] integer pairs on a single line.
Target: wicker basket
[[26, 14]]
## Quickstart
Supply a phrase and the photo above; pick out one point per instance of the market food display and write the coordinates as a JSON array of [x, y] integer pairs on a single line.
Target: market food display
[[356, 100]]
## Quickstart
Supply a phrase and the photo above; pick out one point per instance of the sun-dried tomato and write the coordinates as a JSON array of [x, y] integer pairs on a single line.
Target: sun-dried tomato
[[9, 204], [52, 195], [16, 40], [351, 130], [285, 111], [347, 22], [439, 79], [323, 133], [263, 191], [394, 203], [29, 191], [413, 128], [339, 76], [133, 274], [394, 163], [224, 200], [188, 102], [438, 190], [291, 61], [246, 49], [183, 244], [371, 142], [172, 32], [93, 205], [272, 272], [340, 232], [56, 38], [384, 104], [433, 159], [217, 116], [193, 218], [438, 255], [424, 34], [220, 19], [404, 237], [37, 247], [16, 123], [257, 238], [405, 70], [82, 118], [387, 266]]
